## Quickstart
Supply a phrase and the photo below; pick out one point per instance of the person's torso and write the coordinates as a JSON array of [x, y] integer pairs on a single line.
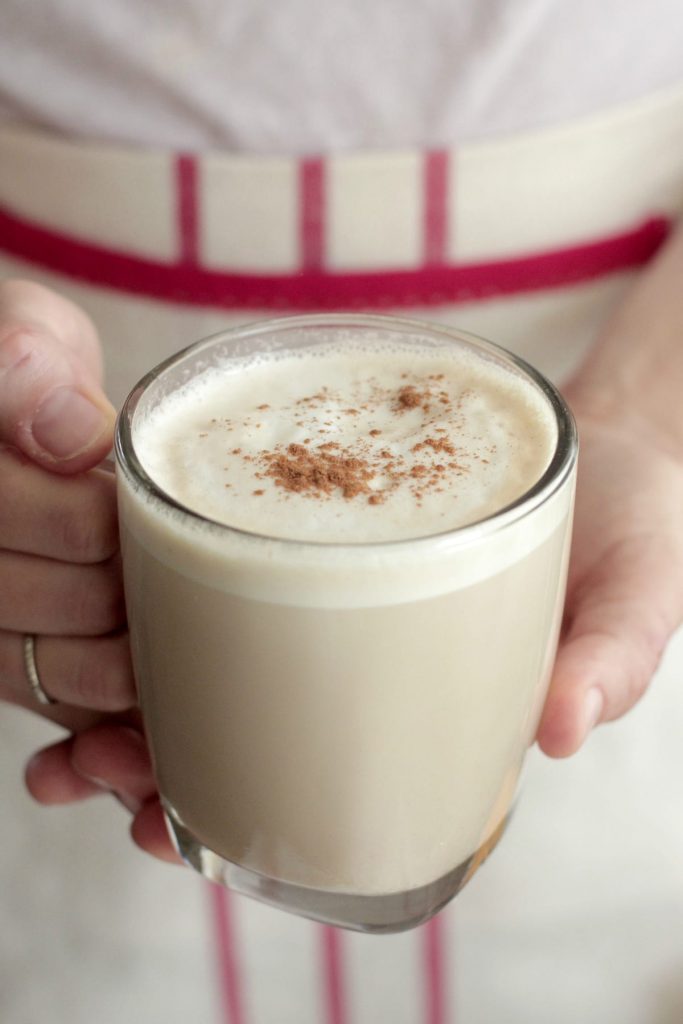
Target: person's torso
[[299, 77]]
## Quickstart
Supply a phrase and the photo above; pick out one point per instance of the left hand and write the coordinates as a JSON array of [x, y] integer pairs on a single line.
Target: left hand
[[625, 590], [59, 561]]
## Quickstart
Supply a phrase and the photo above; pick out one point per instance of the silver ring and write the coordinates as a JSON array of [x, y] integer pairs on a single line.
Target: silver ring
[[32, 671]]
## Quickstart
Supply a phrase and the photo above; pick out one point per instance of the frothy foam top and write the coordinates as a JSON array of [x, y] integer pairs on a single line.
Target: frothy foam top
[[349, 445]]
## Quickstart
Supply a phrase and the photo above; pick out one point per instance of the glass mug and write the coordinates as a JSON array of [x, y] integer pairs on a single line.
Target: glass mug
[[337, 729]]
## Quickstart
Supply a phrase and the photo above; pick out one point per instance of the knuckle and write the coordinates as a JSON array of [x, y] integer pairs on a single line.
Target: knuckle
[[26, 303], [26, 364], [77, 536], [24, 356], [102, 677], [95, 602], [89, 534], [17, 345]]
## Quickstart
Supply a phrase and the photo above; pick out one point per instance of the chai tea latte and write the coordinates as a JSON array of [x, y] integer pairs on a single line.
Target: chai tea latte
[[345, 545]]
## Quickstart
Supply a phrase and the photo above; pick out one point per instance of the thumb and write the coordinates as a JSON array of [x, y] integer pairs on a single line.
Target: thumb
[[621, 620], [52, 406]]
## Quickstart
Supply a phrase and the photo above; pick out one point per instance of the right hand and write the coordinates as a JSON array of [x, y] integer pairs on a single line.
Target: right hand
[[60, 575]]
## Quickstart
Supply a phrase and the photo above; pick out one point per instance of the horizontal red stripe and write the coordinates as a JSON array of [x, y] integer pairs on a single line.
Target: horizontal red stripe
[[429, 286]]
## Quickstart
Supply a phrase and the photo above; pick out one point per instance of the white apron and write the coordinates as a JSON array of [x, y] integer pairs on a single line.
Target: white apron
[[529, 241]]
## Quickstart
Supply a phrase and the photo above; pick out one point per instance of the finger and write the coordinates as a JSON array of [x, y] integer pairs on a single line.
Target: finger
[[52, 406], [621, 622], [150, 833], [30, 302], [73, 520], [116, 757], [70, 718], [93, 673], [51, 779], [54, 598], [105, 759]]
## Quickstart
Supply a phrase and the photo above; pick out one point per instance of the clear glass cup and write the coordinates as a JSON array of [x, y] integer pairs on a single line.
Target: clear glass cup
[[338, 729]]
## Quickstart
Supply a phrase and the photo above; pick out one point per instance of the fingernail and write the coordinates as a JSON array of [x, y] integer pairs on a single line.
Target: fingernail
[[128, 801], [593, 705], [100, 783], [131, 803], [67, 423]]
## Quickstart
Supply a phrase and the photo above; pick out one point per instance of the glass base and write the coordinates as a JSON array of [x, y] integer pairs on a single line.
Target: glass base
[[384, 913]]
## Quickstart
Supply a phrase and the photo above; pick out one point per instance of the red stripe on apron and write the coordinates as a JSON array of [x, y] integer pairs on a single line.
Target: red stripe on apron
[[312, 213], [433, 939], [436, 225], [333, 975], [313, 290], [227, 957], [187, 173]]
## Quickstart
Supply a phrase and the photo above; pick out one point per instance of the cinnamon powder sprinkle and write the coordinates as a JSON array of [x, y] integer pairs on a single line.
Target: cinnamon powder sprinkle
[[303, 471], [322, 467], [437, 444], [409, 397]]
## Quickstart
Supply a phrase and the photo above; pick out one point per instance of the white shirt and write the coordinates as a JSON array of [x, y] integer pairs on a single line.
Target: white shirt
[[297, 76]]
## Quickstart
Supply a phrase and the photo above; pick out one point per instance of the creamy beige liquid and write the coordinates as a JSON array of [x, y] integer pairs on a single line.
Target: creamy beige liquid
[[350, 715]]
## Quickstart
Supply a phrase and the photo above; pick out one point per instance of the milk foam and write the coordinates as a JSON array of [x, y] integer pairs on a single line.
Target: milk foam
[[442, 439]]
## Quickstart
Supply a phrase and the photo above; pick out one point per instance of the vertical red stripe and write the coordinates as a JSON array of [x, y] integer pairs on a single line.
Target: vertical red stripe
[[333, 975], [434, 971], [312, 213], [435, 184], [187, 208], [228, 963]]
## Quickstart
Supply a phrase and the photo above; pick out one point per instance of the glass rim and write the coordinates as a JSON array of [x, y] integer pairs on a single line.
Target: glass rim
[[551, 480]]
